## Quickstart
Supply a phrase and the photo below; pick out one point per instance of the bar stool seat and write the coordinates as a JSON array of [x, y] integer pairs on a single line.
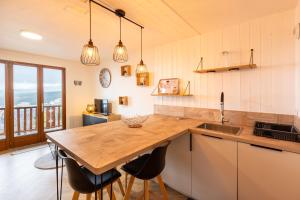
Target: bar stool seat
[[134, 166], [107, 177], [146, 167], [83, 181]]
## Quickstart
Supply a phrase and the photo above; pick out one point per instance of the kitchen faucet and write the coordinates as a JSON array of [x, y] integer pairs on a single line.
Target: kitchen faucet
[[222, 109]]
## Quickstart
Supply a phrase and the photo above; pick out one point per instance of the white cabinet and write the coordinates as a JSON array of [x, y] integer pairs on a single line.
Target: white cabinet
[[265, 174], [177, 172], [214, 168]]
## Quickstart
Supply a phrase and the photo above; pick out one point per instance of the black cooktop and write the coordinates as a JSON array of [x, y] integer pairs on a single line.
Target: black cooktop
[[277, 131]]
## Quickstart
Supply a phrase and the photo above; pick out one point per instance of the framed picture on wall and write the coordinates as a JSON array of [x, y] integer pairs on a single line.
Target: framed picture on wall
[[168, 86]]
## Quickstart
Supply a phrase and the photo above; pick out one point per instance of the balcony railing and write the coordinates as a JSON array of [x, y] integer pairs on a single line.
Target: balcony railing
[[25, 122]]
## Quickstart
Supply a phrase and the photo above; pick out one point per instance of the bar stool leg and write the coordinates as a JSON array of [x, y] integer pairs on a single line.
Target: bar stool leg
[[121, 187], [99, 195], [75, 195], [146, 190], [110, 193], [162, 187], [88, 196], [127, 195]]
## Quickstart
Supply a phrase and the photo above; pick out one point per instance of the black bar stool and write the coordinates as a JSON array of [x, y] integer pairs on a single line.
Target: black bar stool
[[146, 167], [83, 181]]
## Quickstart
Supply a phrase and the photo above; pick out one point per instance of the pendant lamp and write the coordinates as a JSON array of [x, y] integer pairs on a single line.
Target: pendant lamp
[[90, 54], [141, 67], [120, 54]]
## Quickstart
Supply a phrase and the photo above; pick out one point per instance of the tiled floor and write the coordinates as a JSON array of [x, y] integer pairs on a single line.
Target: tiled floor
[[20, 180]]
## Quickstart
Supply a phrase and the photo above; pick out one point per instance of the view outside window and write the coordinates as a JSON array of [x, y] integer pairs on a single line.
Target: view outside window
[[52, 99], [2, 100], [25, 100]]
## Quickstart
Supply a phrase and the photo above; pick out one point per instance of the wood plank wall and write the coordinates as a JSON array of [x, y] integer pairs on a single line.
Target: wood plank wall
[[297, 58], [269, 89]]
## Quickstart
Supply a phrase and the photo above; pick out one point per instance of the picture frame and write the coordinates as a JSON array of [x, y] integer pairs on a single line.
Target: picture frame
[[168, 86]]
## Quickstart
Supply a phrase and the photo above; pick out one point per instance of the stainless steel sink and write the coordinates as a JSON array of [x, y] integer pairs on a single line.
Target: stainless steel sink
[[221, 128]]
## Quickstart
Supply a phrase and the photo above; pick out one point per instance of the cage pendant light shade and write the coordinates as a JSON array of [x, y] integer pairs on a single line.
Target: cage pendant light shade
[[120, 53], [90, 55], [141, 67]]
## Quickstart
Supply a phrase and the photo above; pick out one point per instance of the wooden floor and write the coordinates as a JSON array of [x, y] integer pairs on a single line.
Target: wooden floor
[[20, 180]]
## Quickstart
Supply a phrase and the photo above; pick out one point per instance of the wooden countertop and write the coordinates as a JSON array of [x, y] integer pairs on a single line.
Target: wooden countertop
[[104, 146], [246, 136], [101, 147]]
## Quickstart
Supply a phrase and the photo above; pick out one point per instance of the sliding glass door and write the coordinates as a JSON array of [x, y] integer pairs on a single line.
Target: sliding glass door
[[53, 99], [2, 107], [25, 95], [32, 102]]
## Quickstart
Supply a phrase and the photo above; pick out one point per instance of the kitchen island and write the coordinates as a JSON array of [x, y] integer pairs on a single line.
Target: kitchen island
[[101, 147]]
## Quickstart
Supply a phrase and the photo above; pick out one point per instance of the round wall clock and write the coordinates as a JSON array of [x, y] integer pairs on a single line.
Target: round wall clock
[[105, 77]]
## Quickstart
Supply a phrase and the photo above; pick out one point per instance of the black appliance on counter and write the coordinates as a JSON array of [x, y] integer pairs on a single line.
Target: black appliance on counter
[[102, 106], [277, 131]]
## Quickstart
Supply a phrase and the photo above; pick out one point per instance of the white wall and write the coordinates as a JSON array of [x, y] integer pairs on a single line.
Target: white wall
[[139, 99], [269, 88], [297, 58], [76, 97]]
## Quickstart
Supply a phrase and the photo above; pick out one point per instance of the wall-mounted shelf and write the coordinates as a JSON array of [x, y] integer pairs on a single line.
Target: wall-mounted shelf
[[200, 69], [142, 79], [172, 95], [126, 70], [185, 93], [123, 100], [224, 69]]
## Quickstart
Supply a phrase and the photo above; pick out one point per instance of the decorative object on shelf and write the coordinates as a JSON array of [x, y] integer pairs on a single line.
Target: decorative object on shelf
[[251, 65], [135, 122], [225, 58], [123, 100], [126, 70], [77, 83], [142, 79], [168, 86], [90, 55], [120, 53], [141, 67], [186, 92], [90, 108], [105, 78]]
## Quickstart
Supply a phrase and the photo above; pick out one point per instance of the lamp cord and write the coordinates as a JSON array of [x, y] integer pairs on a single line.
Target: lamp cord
[[90, 20], [141, 43], [120, 29]]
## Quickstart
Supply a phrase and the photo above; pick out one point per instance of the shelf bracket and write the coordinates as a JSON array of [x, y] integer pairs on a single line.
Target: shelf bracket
[[152, 93], [187, 88], [200, 64]]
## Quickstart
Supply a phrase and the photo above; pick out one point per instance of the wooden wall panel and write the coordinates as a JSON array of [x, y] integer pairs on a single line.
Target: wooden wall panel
[[297, 59], [270, 88]]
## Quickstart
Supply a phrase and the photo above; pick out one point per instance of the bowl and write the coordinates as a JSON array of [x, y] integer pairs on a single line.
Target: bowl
[[135, 122]]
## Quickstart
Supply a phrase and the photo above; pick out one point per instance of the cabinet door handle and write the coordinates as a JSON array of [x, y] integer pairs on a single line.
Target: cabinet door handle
[[211, 136], [263, 147]]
